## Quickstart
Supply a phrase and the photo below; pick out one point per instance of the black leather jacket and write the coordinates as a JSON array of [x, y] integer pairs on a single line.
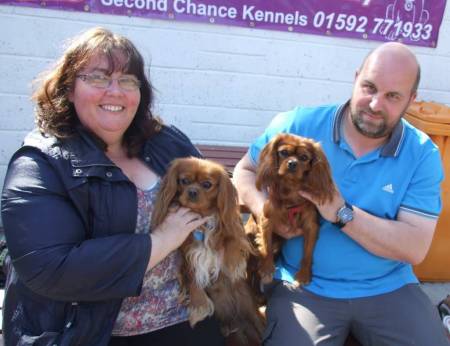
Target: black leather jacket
[[69, 216]]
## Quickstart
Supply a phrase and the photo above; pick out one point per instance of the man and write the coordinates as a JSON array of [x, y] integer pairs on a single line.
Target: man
[[380, 222]]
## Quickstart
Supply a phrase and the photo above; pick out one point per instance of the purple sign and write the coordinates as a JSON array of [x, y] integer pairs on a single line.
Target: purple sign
[[414, 22]]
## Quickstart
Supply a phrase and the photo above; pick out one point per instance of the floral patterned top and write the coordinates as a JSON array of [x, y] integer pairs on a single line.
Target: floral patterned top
[[157, 306]]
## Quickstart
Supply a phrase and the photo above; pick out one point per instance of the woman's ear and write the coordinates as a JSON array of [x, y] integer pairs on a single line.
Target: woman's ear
[[70, 95], [70, 92]]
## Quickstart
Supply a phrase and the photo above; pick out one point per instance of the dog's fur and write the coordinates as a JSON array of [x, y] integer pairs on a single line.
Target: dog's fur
[[213, 273], [289, 164]]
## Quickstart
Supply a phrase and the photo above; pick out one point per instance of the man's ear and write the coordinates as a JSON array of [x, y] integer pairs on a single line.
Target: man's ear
[[357, 72], [412, 98]]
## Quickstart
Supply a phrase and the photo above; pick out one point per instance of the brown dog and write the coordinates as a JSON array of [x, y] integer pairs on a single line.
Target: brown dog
[[289, 164], [213, 274]]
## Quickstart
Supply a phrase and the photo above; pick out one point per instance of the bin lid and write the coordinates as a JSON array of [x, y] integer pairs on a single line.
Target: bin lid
[[430, 112]]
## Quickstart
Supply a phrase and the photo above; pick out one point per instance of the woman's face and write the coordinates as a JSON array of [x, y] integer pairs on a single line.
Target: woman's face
[[106, 111]]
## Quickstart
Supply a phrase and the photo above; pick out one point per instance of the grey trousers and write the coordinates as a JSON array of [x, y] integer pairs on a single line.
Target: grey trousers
[[403, 317]]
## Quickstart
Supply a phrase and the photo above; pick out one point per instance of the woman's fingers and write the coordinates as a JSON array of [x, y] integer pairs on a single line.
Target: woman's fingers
[[186, 215], [185, 219], [197, 222]]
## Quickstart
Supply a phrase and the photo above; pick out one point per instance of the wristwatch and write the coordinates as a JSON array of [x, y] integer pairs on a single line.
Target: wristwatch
[[344, 215]]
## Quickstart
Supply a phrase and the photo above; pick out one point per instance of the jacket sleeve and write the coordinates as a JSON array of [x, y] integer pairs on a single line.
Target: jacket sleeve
[[47, 240]]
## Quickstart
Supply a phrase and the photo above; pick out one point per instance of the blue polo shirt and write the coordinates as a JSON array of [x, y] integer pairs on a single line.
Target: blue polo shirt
[[404, 174]]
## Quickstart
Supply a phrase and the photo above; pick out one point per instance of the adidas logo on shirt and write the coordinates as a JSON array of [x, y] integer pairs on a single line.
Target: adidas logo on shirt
[[388, 188]]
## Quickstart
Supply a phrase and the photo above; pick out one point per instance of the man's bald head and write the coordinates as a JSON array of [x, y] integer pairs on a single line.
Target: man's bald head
[[384, 88], [399, 55]]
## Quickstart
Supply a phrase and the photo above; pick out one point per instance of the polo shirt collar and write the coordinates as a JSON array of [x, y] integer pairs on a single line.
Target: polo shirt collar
[[391, 148]]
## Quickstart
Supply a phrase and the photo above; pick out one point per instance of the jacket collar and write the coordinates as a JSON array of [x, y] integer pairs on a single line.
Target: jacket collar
[[85, 151], [86, 158]]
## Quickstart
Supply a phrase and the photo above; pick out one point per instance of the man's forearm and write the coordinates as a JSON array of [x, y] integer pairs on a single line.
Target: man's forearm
[[244, 179], [406, 239]]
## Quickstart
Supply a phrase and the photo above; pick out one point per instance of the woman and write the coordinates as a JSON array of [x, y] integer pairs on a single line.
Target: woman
[[76, 209]]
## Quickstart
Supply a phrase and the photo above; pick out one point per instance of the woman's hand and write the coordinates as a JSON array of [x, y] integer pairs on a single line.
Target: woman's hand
[[178, 225], [172, 232]]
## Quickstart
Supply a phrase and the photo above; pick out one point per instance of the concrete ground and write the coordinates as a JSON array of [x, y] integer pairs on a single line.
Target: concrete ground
[[436, 291]]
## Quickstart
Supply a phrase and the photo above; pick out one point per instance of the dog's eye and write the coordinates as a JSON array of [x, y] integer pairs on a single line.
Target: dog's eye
[[283, 153], [184, 181], [303, 157], [206, 185]]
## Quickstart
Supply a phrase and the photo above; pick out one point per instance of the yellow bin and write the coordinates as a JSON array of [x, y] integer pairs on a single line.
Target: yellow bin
[[434, 119]]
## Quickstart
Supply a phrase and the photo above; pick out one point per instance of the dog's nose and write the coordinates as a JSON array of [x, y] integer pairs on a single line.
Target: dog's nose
[[193, 194], [292, 165]]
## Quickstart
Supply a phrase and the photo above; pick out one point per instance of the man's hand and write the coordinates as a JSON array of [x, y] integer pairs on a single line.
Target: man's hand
[[327, 210]]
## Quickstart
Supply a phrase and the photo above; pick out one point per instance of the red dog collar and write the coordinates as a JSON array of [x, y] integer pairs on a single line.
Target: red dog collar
[[292, 212]]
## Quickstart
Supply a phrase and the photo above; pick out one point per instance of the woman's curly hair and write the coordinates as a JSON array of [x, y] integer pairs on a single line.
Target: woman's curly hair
[[55, 114]]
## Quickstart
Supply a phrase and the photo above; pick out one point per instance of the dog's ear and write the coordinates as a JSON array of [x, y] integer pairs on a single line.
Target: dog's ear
[[227, 198], [166, 194], [320, 182], [232, 235], [268, 163]]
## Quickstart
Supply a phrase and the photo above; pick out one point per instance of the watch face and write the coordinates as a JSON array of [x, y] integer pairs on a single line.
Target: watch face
[[345, 214]]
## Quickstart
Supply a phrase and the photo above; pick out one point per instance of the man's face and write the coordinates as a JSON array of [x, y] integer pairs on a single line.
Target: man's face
[[381, 94]]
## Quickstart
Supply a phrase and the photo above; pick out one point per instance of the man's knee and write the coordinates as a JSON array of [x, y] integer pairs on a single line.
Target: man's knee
[[285, 323], [277, 307]]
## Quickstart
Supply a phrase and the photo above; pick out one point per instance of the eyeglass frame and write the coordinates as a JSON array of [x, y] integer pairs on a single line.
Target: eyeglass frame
[[86, 76]]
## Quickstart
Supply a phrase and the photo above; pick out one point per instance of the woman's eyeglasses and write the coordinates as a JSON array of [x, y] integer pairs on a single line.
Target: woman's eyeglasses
[[126, 83]]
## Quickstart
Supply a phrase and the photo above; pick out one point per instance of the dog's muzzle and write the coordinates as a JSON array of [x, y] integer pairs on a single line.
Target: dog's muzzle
[[193, 195], [292, 165]]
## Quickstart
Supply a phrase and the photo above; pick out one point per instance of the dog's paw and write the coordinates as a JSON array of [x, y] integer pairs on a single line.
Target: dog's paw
[[266, 278], [303, 277], [296, 284], [266, 271], [199, 313]]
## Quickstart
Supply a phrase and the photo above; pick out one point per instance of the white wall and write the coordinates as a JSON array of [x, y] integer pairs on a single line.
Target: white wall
[[219, 84]]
